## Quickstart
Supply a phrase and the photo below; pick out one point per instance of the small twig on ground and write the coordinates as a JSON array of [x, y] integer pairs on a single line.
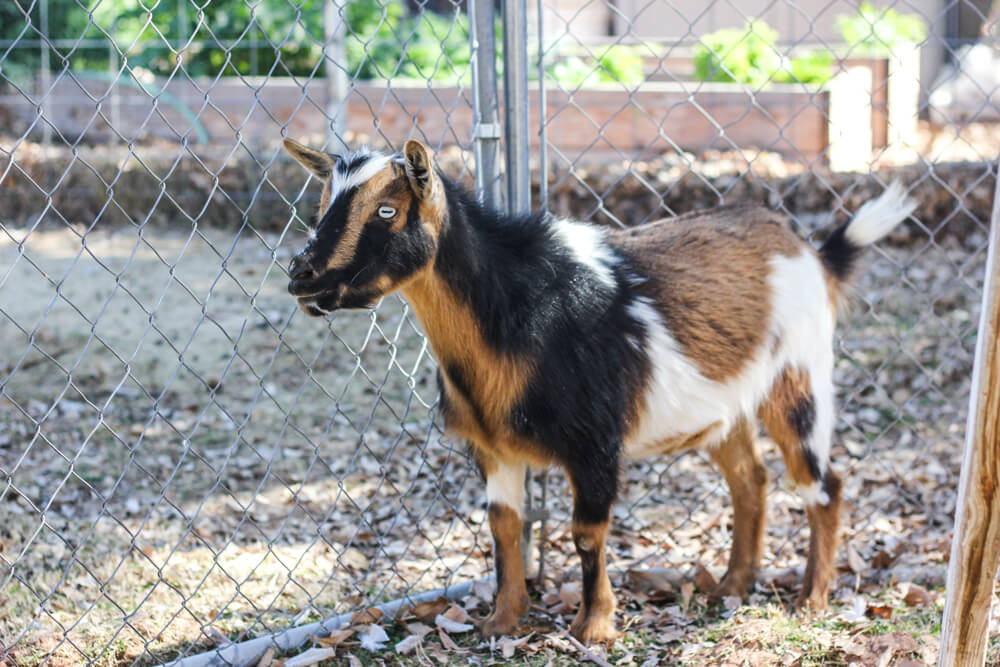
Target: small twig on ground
[[593, 657]]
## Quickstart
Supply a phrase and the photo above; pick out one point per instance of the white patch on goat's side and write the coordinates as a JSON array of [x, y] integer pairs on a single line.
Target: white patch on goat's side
[[588, 245], [803, 321], [878, 217], [339, 182], [506, 486], [680, 400], [813, 494]]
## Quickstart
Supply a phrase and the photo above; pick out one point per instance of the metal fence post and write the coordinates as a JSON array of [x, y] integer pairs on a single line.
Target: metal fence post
[[516, 140], [46, 73], [335, 60], [515, 90], [485, 101]]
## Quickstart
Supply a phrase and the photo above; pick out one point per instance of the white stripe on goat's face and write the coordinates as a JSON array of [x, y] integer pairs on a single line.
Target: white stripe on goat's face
[[378, 223]]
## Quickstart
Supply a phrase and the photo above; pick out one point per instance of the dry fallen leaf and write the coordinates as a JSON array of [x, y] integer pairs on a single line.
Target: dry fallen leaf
[[855, 561], [408, 644], [882, 560], [374, 638], [418, 629], [856, 612], [509, 646], [449, 625], [458, 614], [447, 641], [427, 611], [703, 579], [731, 602], [879, 610], [881, 649], [652, 585], [367, 616], [353, 660], [336, 638], [687, 591], [917, 596], [353, 559], [310, 657]]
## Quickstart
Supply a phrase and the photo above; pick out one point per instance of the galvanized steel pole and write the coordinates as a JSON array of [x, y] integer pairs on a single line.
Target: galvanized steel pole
[[335, 74], [485, 101], [515, 90]]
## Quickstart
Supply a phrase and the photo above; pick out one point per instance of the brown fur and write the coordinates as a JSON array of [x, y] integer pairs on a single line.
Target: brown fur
[[824, 538], [824, 520], [738, 460], [496, 381], [678, 443], [708, 279], [791, 386], [425, 183], [512, 595], [595, 620]]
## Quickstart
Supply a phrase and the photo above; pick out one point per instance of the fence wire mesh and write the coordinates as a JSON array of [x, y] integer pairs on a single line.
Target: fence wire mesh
[[188, 461]]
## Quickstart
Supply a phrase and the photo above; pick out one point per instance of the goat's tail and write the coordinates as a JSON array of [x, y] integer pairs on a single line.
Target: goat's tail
[[874, 220]]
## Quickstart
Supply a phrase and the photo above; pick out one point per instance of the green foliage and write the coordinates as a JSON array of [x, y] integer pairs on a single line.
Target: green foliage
[[749, 55], [880, 30], [384, 42], [744, 55], [382, 39], [814, 67], [615, 64]]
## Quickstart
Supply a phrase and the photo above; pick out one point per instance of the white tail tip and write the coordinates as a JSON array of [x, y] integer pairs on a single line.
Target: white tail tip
[[879, 216]]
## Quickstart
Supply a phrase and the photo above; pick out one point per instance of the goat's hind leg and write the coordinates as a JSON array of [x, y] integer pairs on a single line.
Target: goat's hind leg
[[799, 416], [505, 497], [738, 460]]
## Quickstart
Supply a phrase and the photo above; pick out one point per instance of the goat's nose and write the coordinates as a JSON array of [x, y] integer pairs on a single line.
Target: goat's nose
[[300, 268]]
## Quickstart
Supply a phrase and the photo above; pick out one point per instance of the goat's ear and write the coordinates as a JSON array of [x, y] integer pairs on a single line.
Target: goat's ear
[[419, 171], [319, 163]]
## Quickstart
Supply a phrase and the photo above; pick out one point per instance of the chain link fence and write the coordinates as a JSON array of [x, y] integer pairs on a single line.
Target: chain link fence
[[187, 462]]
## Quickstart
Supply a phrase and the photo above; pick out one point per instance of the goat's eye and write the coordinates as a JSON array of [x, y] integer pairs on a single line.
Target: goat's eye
[[386, 212]]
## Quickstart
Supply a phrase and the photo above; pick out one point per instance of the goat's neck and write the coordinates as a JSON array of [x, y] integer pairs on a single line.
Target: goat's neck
[[481, 260]]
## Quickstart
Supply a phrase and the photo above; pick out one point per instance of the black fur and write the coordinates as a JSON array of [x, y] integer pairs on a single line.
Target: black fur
[[589, 559], [839, 255], [400, 253], [533, 300], [802, 418]]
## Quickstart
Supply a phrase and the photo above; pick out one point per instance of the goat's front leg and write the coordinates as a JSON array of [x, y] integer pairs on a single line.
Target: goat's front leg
[[505, 498], [594, 491]]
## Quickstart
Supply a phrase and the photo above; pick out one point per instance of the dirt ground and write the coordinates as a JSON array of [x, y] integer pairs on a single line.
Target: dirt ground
[[188, 460]]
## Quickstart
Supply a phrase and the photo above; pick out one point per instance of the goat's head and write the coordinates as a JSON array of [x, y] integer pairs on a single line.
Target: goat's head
[[377, 227]]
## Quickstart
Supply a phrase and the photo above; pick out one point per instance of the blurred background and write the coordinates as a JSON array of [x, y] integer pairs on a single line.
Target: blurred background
[[187, 462]]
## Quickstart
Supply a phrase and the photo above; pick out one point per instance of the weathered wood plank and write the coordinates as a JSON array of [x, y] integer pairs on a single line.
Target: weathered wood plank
[[975, 547]]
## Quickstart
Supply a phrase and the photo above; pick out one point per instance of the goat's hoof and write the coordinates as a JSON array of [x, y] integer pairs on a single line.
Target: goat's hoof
[[732, 585], [814, 601], [594, 628], [498, 624]]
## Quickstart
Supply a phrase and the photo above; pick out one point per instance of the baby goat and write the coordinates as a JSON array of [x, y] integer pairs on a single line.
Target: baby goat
[[565, 343]]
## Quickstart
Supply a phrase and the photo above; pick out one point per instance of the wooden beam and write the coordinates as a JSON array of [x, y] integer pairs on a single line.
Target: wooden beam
[[975, 547]]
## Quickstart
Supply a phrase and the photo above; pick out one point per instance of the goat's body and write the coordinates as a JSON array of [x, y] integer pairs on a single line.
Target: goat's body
[[564, 343], [730, 299], [639, 340]]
